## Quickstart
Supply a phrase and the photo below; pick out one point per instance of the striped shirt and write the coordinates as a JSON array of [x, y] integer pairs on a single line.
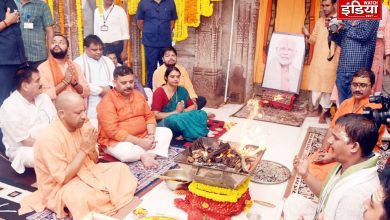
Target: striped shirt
[[38, 13]]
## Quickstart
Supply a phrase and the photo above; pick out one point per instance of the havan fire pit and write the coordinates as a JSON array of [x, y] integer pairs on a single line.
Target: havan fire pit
[[218, 163]]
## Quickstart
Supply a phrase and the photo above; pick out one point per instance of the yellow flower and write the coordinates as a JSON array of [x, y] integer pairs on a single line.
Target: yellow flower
[[79, 15], [218, 194]]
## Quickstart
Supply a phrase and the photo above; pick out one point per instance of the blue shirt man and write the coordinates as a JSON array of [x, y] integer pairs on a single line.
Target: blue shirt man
[[357, 41], [11, 47], [156, 19]]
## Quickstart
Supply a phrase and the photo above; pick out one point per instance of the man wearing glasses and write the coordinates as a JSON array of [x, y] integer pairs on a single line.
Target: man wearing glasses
[[362, 86]]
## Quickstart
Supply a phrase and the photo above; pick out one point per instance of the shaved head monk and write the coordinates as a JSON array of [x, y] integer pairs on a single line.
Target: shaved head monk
[[69, 179]]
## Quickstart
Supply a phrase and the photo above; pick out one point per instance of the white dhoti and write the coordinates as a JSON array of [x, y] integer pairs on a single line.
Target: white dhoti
[[21, 157], [321, 98], [297, 206], [128, 152]]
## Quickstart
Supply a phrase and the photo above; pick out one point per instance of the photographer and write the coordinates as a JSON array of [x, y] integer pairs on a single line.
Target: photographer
[[322, 72], [357, 41]]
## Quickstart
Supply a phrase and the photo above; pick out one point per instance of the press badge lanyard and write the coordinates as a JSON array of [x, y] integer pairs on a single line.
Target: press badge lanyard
[[28, 24], [104, 27]]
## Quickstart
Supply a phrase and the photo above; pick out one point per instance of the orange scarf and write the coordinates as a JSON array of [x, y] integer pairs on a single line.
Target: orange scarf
[[56, 72]]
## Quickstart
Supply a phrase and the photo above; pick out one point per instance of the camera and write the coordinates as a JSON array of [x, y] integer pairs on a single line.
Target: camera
[[379, 116], [334, 25]]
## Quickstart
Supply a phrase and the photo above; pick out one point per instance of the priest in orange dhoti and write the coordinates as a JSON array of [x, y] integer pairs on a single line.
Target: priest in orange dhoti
[[69, 179]]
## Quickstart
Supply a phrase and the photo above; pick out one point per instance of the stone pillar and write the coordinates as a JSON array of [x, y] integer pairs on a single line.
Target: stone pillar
[[208, 78]]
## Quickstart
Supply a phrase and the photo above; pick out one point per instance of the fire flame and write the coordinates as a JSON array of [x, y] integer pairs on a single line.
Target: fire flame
[[250, 133]]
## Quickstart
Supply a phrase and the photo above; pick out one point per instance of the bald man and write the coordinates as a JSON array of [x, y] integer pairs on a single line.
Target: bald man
[[68, 175], [280, 74]]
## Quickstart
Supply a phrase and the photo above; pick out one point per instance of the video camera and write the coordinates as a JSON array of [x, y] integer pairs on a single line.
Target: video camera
[[379, 116], [334, 25]]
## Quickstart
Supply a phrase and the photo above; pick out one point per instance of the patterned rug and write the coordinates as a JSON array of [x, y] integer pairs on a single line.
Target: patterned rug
[[269, 172], [311, 144], [147, 177], [10, 196], [295, 117]]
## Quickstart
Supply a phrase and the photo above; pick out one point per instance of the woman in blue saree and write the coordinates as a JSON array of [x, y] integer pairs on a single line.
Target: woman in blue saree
[[174, 109]]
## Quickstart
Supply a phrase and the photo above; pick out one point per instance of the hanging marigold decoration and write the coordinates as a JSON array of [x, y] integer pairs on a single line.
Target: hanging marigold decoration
[[99, 5], [132, 6], [181, 30], [143, 64], [79, 14], [206, 8], [51, 7], [118, 2], [192, 13], [61, 16]]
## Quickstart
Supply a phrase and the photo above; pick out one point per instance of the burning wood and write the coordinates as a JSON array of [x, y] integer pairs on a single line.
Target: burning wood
[[221, 155]]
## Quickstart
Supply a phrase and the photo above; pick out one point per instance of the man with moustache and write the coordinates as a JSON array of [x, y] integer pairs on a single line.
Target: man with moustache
[[127, 126], [169, 56], [350, 183], [23, 116], [97, 69], [362, 84], [59, 73], [69, 178]]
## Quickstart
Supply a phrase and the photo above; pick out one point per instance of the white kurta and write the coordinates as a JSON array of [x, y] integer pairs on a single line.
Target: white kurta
[[98, 73], [20, 119]]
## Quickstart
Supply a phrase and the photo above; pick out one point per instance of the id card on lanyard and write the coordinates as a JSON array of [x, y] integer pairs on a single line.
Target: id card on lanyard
[[28, 24], [104, 27]]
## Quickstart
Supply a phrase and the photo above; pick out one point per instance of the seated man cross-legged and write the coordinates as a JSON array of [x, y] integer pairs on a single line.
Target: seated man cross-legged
[[175, 109], [350, 183], [69, 179], [23, 116], [127, 126], [321, 162]]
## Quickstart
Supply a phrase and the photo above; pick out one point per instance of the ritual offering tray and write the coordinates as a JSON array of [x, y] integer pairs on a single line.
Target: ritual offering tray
[[218, 163]]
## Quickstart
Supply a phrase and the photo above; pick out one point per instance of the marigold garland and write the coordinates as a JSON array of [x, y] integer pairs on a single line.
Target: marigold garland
[[79, 14], [61, 16], [206, 8], [132, 6], [197, 206], [143, 64], [51, 7], [192, 13], [118, 2], [219, 194], [181, 28], [99, 5]]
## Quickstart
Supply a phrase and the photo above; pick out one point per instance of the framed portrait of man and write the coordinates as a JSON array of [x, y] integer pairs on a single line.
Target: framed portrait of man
[[283, 69]]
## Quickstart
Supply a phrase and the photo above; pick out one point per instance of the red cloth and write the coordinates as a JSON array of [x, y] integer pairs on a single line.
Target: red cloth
[[195, 207], [160, 99]]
